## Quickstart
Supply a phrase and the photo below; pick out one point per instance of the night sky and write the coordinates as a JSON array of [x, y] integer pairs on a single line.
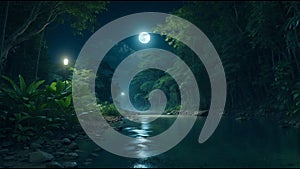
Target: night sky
[[62, 41]]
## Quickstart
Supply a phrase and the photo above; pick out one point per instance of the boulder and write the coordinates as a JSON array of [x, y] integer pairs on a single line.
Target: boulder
[[73, 146], [54, 164], [72, 136], [70, 164], [98, 149], [7, 144], [59, 154], [87, 163], [240, 118], [40, 156], [66, 141], [120, 128], [297, 125], [70, 156], [94, 154], [35, 146], [3, 151], [8, 158], [88, 160], [203, 113]]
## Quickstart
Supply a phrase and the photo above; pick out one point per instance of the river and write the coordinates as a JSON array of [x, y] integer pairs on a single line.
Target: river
[[252, 143]]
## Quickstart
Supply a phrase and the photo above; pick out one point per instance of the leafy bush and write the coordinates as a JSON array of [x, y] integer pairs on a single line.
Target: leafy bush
[[59, 95], [22, 97], [29, 110], [282, 86], [296, 99], [108, 109]]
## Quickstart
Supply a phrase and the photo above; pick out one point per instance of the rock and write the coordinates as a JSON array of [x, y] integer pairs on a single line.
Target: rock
[[70, 164], [54, 164], [57, 144], [11, 153], [35, 146], [95, 154], [4, 151], [23, 159], [98, 149], [6, 144], [49, 133], [59, 154], [73, 146], [202, 113], [88, 160], [70, 156], [40, 141], [66, 141], [7, 165], [297, 125], [40, 156], [8, 158], [292, 123], [120, 128], [284, 125], [87, 163], [72, 136], [78, 151], [240, 118]]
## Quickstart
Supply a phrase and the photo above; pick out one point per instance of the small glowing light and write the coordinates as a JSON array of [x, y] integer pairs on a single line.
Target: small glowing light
[[144, 37], [66, 61], [123, 94]]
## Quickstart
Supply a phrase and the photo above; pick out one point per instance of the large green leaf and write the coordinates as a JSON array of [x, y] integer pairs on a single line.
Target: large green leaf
[[14, 85], [68, 101], [22, 85], [53, 86], [34, 86], [59, 86]]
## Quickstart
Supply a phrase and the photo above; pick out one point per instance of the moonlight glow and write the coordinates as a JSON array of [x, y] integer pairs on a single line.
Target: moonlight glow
[[66, 61], [122, 93], [144, 37]]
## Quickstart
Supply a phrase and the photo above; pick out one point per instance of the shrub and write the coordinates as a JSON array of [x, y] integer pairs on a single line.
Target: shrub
[[108, 109]]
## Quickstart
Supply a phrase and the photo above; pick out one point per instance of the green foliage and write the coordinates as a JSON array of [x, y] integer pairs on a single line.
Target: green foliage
[[258, 43], [108, 109], [23, 134], [28, 21], [59, 95], [32, 109], [23, 97], [282, 85], [82, 16], [296, 99], [146, 81]]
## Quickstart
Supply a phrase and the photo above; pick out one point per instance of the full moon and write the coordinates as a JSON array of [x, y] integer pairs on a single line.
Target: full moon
[[144, 37], [122, 93]]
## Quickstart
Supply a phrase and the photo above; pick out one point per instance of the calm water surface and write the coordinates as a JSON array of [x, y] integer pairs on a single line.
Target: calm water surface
[[253, 143]]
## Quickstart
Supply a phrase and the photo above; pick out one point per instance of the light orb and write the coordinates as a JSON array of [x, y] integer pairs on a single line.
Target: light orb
[[144, 37], [66, 61]]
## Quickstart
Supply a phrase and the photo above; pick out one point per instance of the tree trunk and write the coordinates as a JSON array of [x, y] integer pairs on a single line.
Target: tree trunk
[[3, 53], [38, 56], [3, 57]]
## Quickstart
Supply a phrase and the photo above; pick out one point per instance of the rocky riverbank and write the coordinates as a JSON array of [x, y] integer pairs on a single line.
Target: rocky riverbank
[[279, 118], [58, 150], [61, 149]]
